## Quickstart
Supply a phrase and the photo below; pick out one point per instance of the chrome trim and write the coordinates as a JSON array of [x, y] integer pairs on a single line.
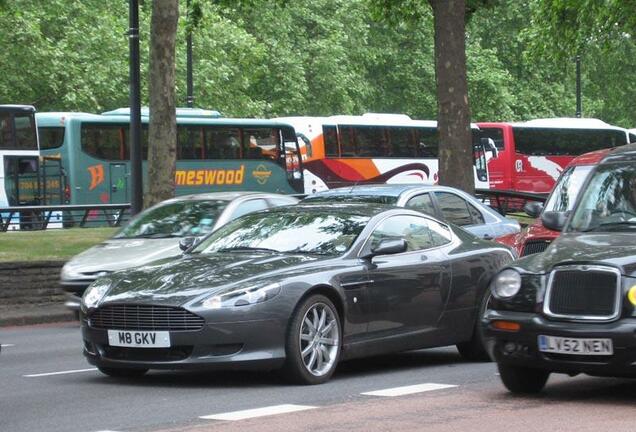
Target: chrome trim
[[356, 283], [583, 268]]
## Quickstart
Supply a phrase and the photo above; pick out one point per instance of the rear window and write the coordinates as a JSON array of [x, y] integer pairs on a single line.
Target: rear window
[[51, 137]]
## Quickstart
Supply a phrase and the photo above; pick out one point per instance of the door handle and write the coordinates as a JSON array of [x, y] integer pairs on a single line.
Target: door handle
[[423, 258]]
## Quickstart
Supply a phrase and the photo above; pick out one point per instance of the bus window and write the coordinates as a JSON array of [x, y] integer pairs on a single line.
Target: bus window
[[370, 142], [6, 131], [51, 137], [496, 134], [331, 141], [105, 141], [564, 142], [401, 141], [25, 135], [428, 143], [190, 142], [223, 143], [262, 143], [347, 141]]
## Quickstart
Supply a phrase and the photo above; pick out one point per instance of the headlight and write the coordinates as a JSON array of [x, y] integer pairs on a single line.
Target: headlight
[[95, 292], [69, 272], [242, 297], [506, 284]]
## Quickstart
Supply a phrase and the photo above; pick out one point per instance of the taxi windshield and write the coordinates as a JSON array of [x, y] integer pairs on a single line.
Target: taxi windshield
[[608, 203], [567, 188]]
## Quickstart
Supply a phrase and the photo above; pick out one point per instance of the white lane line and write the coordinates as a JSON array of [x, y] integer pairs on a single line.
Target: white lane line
[[258, 412], [6, 345], [407, 390], [58, 373]]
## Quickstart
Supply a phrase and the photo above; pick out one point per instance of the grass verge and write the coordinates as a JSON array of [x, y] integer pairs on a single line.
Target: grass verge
[[53, 244]]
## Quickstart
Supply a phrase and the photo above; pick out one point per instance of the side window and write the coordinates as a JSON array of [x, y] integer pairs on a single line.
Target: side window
[[249, 207], [51, 137], [262, 143], [330, 136], [419, 233], [422, 203], [427, 143], [454, 208], [105, 141], [190, 142], [25, 133], [478, 217], [401, 140], [6, 131], [223, 143]]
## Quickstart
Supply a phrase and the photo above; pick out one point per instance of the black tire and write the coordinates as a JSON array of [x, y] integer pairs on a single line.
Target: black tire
[[122, 372], [295, 369], [523, 380], [475, 349]]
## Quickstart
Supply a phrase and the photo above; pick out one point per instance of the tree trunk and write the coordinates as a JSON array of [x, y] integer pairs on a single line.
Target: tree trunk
[[162, 131], [453, 111]]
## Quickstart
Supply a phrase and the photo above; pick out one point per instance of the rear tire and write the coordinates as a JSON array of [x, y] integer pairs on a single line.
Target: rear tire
[[122, 372], [523, 380], [475, 348], [313, 341]]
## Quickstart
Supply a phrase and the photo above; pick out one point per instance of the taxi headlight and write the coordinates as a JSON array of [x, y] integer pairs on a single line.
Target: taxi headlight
[[506, 284], [95, 292], [242, 297]]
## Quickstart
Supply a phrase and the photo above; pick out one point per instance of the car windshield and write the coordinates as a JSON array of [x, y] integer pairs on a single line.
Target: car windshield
[[177, 219], [307, 231], [352, 198], [567, 188], [609, 201]]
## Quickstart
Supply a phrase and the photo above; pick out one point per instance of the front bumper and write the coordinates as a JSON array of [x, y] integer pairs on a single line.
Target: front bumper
[[520, 348], [257, 344]]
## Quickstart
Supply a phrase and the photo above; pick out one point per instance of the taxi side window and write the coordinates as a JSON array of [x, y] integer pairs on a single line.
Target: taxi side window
[[422, 203]]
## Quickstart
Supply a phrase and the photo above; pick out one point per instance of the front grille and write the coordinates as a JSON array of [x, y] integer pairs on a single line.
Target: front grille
[[535, 246], [144, 317], [176, 353], [584, 293]]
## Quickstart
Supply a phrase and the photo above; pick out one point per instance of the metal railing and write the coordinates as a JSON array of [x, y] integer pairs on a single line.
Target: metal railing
[[62, 216], [507, 201]]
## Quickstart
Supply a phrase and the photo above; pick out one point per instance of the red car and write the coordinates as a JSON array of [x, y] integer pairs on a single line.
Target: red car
[[536, 237]]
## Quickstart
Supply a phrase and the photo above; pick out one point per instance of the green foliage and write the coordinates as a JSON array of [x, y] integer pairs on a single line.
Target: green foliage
[[260, 58]]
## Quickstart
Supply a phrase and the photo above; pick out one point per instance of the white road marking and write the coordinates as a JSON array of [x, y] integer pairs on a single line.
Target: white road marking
[[257, 412], [59, 373], [6, 345], [407, 390]]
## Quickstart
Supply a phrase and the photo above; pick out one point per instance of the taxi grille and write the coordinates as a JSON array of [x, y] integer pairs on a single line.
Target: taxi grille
[[144, 317], [584, 294], [533, 247]]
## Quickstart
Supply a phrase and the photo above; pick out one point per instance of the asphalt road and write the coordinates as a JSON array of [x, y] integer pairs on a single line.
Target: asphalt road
[[46, 385]]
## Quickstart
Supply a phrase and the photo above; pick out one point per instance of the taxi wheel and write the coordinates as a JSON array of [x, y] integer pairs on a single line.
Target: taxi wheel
[[122, 372], [313, 340], [475, 348], [523, 380]]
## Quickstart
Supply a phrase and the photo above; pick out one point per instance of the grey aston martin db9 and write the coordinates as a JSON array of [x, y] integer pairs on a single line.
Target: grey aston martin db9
[[300, 288]]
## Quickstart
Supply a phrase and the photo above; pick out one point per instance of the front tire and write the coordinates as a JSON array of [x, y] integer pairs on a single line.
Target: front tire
[[313, 340], [122, 372], [523, 380], [475, 348]]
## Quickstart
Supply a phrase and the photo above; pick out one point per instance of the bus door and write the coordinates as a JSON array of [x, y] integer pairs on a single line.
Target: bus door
[[21, 181], [480, 164], [118, 183], [293, 160]]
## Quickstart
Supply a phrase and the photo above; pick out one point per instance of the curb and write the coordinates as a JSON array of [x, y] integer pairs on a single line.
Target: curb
[[31, 316]]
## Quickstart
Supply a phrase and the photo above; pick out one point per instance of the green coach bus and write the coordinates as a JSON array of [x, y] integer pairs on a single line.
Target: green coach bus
[[213, 154]]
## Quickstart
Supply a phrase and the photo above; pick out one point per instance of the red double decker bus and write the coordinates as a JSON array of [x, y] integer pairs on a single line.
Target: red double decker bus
[[531, 155]]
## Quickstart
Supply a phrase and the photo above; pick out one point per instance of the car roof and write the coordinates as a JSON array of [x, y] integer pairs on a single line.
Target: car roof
[[626, 153], [362, 209], [225, 196], [394, 190]]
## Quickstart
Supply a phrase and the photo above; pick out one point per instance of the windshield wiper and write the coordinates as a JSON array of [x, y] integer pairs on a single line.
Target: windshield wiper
[[247, 249], [153, 235], [617, 224]]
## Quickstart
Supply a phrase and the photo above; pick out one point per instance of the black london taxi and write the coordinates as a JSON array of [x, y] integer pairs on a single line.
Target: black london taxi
[[572, 308]]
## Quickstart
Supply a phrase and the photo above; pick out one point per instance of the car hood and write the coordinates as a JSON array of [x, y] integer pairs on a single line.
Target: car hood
[[181, 280], [113, 255], [613, 249]]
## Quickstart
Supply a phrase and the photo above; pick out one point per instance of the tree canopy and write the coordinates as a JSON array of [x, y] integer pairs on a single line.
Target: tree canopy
[[323, 57]]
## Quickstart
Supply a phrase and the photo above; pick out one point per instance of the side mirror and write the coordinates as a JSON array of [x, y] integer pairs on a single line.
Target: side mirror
[[533, 209], [387, 247], [554, 220], [186, 243]]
